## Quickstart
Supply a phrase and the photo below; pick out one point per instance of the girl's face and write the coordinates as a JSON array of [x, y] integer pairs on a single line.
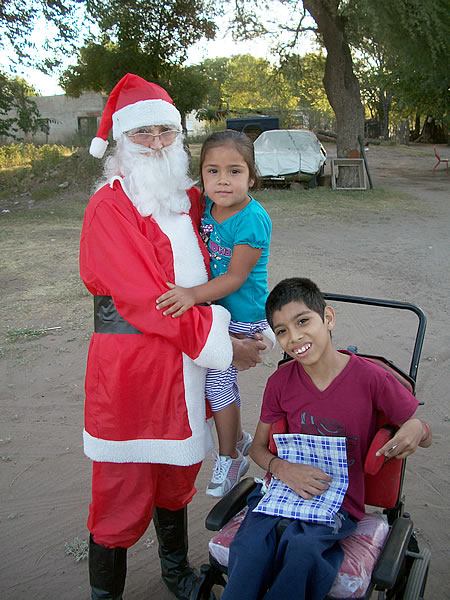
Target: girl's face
[[226, 178]]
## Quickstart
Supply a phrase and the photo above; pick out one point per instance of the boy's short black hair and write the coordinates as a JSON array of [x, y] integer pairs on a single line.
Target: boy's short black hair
[[295, 289]]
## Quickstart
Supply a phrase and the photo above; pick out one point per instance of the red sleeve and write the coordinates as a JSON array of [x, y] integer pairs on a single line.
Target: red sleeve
[[117, 259], [270, 408]]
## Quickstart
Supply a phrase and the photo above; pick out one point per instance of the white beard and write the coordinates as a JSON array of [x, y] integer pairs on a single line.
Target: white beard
[[155, 182]]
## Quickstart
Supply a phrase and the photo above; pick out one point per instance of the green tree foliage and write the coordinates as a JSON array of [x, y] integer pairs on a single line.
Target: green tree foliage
[[408, 68], [304, 75], [101, 64], [18, 111], [405, 62], [216, 72], [340, 83], [413, 30], [187, 86], [148, 38], [136, 36], [18, 18], [243, 84], [371, 71], [162, 30], [253, 84]]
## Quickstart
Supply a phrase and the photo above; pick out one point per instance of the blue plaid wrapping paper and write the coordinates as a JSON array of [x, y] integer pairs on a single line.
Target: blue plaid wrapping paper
[[327, 453]]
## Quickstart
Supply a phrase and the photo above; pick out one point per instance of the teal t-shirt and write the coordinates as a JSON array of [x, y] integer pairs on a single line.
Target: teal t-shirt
[[250, 226]]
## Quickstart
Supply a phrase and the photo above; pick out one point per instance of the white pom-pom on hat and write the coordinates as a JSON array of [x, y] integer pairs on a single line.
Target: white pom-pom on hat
[[98, 147]]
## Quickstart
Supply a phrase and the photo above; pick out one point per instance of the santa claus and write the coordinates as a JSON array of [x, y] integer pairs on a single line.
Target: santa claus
[[145, 413]]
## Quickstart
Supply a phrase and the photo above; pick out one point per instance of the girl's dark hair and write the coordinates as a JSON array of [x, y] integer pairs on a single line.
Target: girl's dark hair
[[240, 141], [295, 289]]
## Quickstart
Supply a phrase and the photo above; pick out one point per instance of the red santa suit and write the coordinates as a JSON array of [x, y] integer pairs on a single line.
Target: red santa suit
[[145, 399], [145, 378], [145, 417]]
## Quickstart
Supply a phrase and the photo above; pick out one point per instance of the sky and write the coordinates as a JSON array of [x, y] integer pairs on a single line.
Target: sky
[[223, 45]]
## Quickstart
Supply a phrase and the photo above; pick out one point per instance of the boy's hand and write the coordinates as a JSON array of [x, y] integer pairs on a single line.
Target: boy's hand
[[178, 298], [405, 441], [305, 480]]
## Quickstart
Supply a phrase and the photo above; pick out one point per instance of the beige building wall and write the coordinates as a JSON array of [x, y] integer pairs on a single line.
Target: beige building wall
[[68, 117]]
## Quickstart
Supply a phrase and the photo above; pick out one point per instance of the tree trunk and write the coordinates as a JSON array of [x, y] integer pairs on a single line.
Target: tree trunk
[[426, 135], [386, 101], [417, 127], [341, 85]]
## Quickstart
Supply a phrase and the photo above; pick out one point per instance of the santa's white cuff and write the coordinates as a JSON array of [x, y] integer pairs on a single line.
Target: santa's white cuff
[[269, 340], [217, 353]]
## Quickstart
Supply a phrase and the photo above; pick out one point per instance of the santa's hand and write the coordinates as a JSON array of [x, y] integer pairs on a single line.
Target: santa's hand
[[178, 300]]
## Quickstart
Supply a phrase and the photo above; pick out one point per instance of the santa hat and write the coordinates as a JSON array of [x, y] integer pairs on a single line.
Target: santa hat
[[133, 103]]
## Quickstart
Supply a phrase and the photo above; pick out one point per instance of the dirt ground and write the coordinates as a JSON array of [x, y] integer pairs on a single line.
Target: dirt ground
[[385, 249]]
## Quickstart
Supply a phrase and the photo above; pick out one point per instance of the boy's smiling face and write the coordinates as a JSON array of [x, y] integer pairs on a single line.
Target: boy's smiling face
[[302, 333]]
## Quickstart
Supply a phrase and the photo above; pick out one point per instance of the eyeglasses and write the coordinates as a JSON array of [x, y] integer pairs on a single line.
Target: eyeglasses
[[145, 135]]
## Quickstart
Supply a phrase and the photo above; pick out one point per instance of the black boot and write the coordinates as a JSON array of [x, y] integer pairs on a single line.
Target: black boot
[[171, 529], [107, 571]]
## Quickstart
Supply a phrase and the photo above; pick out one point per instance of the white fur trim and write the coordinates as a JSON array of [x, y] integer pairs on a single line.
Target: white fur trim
[[269, 340], [145, 112], [190, 270], [98, 147], [188, 260], [173, 452], [217, 353]]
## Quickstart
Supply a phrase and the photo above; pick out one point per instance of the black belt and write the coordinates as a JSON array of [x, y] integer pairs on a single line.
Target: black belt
[[107, 319]]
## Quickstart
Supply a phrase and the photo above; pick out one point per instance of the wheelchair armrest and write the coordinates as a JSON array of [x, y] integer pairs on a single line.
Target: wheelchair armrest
[[373, 463], [230, 504], [393, 554]]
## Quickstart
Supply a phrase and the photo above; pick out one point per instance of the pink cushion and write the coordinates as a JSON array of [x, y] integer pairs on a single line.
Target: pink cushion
[[219, 545], [361, 551]]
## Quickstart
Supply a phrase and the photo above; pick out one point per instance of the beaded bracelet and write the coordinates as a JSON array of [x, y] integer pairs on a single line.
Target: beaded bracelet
[[425, 438]]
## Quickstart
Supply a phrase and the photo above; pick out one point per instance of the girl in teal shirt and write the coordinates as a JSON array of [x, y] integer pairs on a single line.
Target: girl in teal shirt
[[236, 230]]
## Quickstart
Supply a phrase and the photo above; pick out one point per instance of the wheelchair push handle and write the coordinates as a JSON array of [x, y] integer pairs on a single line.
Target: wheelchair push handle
[[420, 333]]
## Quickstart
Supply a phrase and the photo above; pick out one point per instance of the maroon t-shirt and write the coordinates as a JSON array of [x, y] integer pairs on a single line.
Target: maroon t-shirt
[[347, 407]]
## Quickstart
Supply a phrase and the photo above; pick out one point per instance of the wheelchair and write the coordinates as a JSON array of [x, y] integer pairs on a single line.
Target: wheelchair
[[382, 558]]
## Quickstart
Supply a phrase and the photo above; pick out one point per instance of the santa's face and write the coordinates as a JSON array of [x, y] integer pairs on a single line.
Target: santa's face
[[155, 177]]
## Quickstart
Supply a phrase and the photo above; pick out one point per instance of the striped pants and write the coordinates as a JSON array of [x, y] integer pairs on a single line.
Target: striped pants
[[222, 387]]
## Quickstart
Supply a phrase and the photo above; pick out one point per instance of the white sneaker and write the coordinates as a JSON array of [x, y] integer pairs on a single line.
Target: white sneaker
[[244, 444], [226, 474]]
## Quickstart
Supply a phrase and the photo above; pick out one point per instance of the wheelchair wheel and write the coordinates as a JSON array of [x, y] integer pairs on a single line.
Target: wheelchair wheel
[[417, 579]]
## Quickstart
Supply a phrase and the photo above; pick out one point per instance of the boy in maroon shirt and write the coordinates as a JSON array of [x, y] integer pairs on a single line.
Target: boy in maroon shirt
[[322, 391]]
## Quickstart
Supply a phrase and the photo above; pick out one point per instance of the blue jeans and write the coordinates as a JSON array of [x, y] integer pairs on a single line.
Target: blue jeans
[[302, 564]]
